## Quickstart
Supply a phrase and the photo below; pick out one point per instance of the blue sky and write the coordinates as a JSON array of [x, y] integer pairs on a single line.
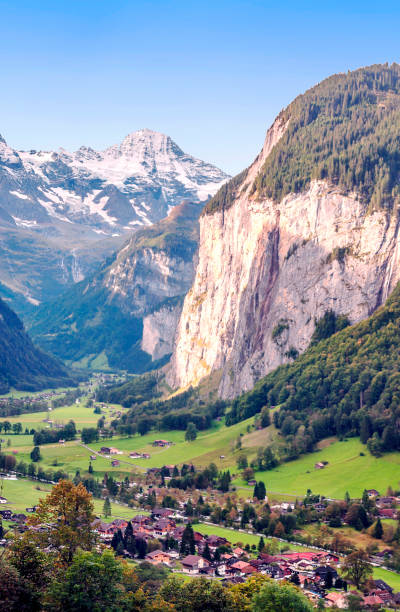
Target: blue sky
[[212, 75]]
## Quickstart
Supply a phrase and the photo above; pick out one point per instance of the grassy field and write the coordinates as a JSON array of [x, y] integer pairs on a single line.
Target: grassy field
[[357, 538], [237, 537], [14, 393], [23, 493], [72, 456], [79, 413], [391, 578], [208, 447], [347, 470]]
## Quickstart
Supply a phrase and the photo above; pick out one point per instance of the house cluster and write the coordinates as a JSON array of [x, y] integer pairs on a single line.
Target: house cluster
[[110, 450], [380, 596], [314, 572], [19, 518], [137, 455], [162, 443]]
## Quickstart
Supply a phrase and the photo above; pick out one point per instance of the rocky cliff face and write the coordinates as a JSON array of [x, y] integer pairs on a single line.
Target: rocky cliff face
[[267, 269], [159, 329]]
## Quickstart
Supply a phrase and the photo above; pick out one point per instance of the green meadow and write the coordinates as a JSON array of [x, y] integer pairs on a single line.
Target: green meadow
[[23, 493], [236, 537], [347, 470], [79, 413]]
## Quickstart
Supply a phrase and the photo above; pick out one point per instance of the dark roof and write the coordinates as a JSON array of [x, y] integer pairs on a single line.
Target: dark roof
[[382, 585]]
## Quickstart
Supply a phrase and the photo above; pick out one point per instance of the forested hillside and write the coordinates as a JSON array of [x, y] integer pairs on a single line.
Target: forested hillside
[[347, 384], [22, 365], [345, 129]]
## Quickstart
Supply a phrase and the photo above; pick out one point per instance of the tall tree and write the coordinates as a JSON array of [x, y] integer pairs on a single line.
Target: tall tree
[[356, 568], [276, 597], [35, 454], [191, 432], [68, 514], [188, 545], [378, 529], [90, 583], [107, 507]]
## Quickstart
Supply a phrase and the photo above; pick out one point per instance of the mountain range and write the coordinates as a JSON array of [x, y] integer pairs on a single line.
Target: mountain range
[[62, 214]]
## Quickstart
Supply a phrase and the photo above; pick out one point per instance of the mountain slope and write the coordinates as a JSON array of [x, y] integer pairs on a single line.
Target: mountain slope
[[347, 384], [64, 213], [311, 226], [125, 316], [22, 365]]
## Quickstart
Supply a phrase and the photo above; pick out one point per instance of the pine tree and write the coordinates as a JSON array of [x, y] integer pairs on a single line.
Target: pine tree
[[260, 491], [261, 544], [365, 429], [90, 470], [188, 546], [378, 530], [35, 454], [141, 547], [117, 541], [191, 432], [365, 499], [207, 552], [107, 508]]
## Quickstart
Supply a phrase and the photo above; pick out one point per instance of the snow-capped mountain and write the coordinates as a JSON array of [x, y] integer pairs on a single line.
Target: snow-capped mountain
[[128, 185]]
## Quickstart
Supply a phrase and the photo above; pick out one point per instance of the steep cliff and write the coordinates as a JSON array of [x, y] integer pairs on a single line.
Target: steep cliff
[[312, 225], [125, 315]]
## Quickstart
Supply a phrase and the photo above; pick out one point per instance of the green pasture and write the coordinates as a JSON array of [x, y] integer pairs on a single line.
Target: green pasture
[[72, 456], [16, 442], [208, 446], [391, 578], [14, 393], [79, 413], [346, 471], [23, 493]]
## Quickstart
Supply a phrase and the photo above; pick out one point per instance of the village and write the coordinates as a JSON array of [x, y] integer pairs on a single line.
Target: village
[[172, 537]]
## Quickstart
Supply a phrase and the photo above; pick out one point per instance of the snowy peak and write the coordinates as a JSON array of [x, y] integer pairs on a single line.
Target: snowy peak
[[144, 144], [128, 185]]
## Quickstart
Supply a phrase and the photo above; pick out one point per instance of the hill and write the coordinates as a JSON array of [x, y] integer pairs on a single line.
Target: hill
[[346, 384], [125, 315], [22, 365]]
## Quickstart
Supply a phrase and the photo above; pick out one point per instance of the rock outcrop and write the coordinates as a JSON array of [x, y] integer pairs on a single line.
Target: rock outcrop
[[268, 269]]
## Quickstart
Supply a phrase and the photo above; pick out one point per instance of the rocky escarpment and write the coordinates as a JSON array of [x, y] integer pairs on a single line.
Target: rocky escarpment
[[268, 268]]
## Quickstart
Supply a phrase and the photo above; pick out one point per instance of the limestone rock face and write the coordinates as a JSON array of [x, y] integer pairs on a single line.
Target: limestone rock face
[[159, 329], [266, 270]]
